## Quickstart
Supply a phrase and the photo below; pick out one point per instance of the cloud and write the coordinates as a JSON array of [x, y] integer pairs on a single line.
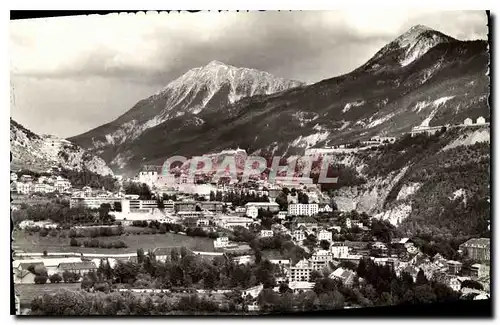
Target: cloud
[[156, 47]]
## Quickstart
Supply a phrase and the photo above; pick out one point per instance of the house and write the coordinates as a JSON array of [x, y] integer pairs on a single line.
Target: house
[[298, 286], [454, 283], [454, 267], [221, 242], [477, 249], [480, 120], [324, 235], [164, 253], [266, 233], [320, 259], [253, 291], [271, 206], [252, 212], [78, 267], [336, 228], [307, 222], [243, 259], [344, 275], [468, 121], [300, 271], [339, 250], [22, 276], [202, 222], [26, 178], [185, 206], [13, 177], [298, 236], [87, 191], [282, 215], [298, 209], [323, 207], [379, 245], [479, 270]]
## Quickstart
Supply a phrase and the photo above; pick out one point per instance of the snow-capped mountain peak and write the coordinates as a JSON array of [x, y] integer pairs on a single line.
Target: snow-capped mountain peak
[[408, 47], [417, 41]]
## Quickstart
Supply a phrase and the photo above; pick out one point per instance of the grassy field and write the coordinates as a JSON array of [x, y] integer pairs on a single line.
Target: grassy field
[[35, 243], [29, 291]]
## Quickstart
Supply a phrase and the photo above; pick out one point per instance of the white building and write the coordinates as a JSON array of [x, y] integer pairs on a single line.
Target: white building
[[62, 184], [298, 209], [300, 271], [339, 250], [481, 120], [468, 121], [282, 215], [271, 206], [148, 177], [202, 222], [13, 177], [298, 236], [266, 233], [325, 235], [325, 208], [320, 259], [252, 212], [221, 242]]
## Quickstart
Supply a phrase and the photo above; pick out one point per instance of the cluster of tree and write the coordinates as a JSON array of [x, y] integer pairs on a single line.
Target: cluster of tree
[[94, 232], [346, 176], [84, 303], [63, 214], [383, 287], [278, 242], [142, 190], [98, 243], [85, 177], [163, 227]]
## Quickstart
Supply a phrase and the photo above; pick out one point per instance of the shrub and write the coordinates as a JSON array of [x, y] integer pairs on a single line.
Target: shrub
[[73, 242], [41, 279], [43, 232], [53, 233], [55, 278]]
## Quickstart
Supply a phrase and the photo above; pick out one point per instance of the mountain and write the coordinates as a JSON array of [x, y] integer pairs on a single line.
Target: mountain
[[198, 90], [423, 76], [39, 153]]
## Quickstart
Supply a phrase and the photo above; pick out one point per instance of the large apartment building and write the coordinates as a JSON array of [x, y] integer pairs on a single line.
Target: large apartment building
[[298, 209]]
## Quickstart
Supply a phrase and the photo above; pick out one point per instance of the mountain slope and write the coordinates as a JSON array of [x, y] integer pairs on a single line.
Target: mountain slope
[[39, 153], [200, 89], [422, 76]]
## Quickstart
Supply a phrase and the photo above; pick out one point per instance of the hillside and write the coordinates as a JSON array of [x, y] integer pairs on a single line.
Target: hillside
[[437, 184], [39, 153]]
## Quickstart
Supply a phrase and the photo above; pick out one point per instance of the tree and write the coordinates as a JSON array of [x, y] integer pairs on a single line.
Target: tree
[[73, 242], [472, 284], [421, 279], [284, 288], [324, 244], [45, 253], [140, 255], [43, 232], [41, 279], [315, 275], [87, 283], [55, 278]]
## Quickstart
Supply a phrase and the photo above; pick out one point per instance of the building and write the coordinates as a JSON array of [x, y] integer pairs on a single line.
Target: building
[[300, 271], [299, 286], [148, 177], [480, 120], [87, 191], [221, 242], [477, 249], [298, 236], [252, 212], [62, 184], [298, 209], [43, 188], [325, 235], [202, 222], [212, 206], [252, 292], [169, 206], [185, 206], [454, 267], [13, 177], [266, 233], [22, 187], [454, 283], [344, 275], [323, 207], [429, 130], [320, 259], [339, 250], [468, 121], [78, 267], [93, 202], [479, 270], [282, 215], [307, 222], [271, 206]]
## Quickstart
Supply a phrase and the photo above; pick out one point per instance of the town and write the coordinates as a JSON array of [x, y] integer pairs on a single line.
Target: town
[[285, 238]]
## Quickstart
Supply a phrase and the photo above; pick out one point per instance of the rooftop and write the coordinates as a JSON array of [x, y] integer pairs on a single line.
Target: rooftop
[[477, 242], [77, 266]]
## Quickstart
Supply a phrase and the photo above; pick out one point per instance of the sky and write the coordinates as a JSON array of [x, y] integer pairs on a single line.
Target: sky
[[72, 74]]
